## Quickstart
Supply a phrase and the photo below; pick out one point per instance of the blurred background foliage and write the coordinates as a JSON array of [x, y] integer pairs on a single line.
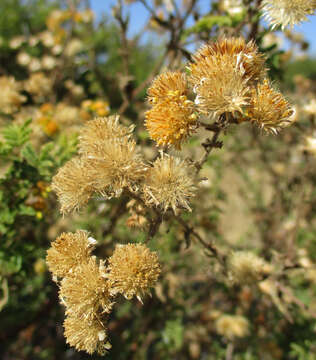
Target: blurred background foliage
[[260, 193]]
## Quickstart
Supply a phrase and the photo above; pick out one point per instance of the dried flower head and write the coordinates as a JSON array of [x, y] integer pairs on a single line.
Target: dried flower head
[[116, 165], [246, 267], [73, 185], [232, 326], [97, 132], [10, 99], [133, 270], [287, 12], [169, 184], [269, 109], [171, 121], [89, 336], [220, 85], [68, 251], [166, 85], [245, 56], [85, 291]]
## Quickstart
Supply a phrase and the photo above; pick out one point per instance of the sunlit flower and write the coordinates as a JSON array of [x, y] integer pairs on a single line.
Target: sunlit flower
[[85, 291], [269, 109], [34, 65], [73, 47], [84, 335], [169, 184], [232, 326], [73, 185], [287, 12], [310, 144], [16, 42], [48, 62], [39, 85], [310, 108], [68, 251], [23, 58], [133, 269]]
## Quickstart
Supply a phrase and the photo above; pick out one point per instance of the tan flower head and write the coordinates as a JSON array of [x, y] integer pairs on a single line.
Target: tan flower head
[[133, 270], [68, 251], [97, 132], [171, 121], [89, 336], [232, 326], [245, 55], [287, 12], [246, 267], [73, 185], [169, 184], [116, 165], [167, 84], [269, 109], [85, 291], [10, 99]]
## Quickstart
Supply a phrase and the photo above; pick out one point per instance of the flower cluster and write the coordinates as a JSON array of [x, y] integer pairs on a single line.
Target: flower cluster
[[109, 163], [232, 326], [88, 287], [228, 78], [10, 99]]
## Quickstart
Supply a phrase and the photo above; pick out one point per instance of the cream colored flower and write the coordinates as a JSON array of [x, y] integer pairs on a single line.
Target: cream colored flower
[[169, 184], [232, 326], [10, 99], [287, 12]]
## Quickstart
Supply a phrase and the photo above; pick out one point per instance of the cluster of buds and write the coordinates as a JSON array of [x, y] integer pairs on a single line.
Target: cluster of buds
[[229, 81], [88, 287]]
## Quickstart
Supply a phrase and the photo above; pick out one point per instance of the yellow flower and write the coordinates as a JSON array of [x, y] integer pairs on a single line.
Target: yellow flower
[[84, 335], [232, 326], [269, 109], [68, 251], [133, 270]]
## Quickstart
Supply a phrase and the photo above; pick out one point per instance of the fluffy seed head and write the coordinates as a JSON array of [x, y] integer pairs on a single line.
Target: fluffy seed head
[[116, 166], [169, 184], [68, 251], [84, 335], [73, 185], [269, 109], [246, 267], [220, 85], [133, 270], [85, 291], [232, 326], [172, 120], [287, 12], [165, 85], [98, 131], [245, 55]]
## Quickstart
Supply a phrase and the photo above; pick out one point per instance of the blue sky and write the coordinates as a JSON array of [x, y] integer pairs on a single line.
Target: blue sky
[[139, 17]]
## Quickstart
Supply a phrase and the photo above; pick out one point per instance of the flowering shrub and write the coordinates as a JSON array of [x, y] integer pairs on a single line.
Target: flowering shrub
[[190, 162]]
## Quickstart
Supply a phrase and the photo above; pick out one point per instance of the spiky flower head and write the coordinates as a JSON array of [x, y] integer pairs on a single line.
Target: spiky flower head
[[287, 12], [117, 165], [73, 185], [85, 291], [68, 251], [232, 326], [245, 56], [133, 269], [97, 132], [246, 267], [269, 109], [169, 184], [172, 118], [166, 85], [171, 121], [84, 335]]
